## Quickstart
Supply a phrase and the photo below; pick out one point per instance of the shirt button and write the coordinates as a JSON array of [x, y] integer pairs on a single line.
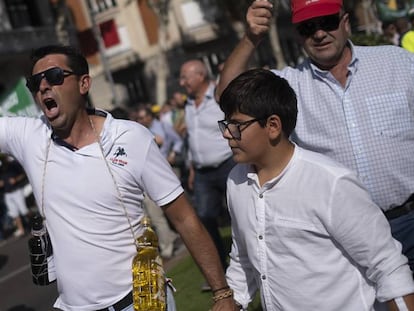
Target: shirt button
[[263, 277], [260, 237], [261, 195]]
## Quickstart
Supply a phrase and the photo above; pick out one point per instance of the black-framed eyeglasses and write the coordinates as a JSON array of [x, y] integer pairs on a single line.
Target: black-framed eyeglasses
[[325, 23], [235, 128], [54, 76]]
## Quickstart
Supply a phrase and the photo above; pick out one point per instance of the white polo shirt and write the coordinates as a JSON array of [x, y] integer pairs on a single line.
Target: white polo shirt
[[92, 242], [311, 239]]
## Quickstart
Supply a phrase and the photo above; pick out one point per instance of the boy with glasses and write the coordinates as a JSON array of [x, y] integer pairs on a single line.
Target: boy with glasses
[[305, 231], [356, 103]]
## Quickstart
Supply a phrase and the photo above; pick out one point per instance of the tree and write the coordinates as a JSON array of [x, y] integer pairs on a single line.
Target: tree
[[232, 11]]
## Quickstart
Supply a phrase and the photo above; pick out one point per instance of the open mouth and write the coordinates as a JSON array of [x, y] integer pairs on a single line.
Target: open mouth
[[50, 103]]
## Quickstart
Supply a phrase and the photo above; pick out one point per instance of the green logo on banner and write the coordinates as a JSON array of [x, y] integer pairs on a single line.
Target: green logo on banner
[[19, 102]]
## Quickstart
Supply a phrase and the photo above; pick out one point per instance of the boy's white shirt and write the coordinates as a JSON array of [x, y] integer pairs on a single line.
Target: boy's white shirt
[[311, 239]]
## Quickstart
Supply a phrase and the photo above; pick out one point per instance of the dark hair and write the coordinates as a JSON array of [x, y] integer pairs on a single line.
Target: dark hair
[[75, 60], [119, 113], [260, 93], [146, 108]]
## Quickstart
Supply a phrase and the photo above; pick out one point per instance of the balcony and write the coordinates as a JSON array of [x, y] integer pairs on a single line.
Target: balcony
[[25, 39]]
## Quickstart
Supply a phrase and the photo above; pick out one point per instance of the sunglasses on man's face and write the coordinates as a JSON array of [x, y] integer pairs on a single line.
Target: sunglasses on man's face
[[53, 76], [325, 23]]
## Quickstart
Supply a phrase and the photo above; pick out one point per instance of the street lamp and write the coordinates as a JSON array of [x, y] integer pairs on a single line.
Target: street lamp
[[161, 9]]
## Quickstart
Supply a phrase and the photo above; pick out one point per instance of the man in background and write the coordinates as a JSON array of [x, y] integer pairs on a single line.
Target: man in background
[[210, 156]]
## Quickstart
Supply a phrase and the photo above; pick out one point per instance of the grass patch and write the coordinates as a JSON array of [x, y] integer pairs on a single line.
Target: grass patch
[[188, 279]]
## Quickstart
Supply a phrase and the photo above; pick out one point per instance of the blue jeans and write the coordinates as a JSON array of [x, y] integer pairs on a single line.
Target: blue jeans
[[402, 229], [209, 199], [170, 302]]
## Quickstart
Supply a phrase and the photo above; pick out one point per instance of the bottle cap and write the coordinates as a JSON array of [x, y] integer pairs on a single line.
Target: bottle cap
[[146, 221], [37, 222]]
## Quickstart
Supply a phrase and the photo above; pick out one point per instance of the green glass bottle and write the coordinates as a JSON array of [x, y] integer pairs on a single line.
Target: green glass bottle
[[148, 273], [41, 253]]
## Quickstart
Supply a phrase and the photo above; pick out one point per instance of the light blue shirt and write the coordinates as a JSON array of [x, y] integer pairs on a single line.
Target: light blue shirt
[[171, 140], [206, 143], [368, 125]]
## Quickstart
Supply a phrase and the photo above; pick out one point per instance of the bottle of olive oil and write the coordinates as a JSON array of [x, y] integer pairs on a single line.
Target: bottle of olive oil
[[148, 273]]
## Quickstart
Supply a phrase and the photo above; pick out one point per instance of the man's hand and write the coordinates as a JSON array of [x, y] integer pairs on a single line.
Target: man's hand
[[171, 157], [190, 178], [259, 16], [158, 140]]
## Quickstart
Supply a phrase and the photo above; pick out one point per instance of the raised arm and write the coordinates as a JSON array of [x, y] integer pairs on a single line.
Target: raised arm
[[258, 18]]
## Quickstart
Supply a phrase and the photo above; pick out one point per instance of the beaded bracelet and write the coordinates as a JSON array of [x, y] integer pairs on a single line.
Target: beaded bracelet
[[228, 293]]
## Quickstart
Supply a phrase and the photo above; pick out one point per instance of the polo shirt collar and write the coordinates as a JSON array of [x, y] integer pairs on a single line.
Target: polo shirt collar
[[207, 96], [105, 139]]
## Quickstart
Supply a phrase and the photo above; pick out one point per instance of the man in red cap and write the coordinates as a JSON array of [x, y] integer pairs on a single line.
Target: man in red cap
[[355, 104]]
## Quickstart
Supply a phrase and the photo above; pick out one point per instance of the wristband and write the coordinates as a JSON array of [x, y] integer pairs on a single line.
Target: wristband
[[227, 294], [402, 306]]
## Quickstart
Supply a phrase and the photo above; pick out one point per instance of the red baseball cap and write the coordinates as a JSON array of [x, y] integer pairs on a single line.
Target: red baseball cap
[[307, 9]]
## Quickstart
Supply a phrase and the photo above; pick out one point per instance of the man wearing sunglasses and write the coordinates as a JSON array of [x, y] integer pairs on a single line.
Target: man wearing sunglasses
[[89, 177], [356, 104]]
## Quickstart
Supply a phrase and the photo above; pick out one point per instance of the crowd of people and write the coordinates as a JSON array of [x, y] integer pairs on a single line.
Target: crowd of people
[[400, 31], [313, 164], [15, 199], [186, 131]]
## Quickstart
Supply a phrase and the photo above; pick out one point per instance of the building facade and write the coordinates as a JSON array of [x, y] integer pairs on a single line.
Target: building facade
[[134, 47]]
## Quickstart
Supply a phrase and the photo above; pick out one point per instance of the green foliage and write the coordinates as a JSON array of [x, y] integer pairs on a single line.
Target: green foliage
[[368, 39], [235, 9], [387, 14]]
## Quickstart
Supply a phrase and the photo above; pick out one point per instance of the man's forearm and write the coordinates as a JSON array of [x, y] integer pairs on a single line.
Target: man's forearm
[[235, 64], [197, 240], [204, 252]]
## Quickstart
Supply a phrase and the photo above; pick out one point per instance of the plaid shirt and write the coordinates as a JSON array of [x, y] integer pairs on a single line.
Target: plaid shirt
[[368, 125]]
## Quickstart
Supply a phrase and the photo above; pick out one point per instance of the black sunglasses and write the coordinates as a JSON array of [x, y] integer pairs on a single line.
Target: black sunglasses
[[325, 23], [54, 76]]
